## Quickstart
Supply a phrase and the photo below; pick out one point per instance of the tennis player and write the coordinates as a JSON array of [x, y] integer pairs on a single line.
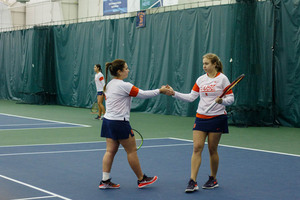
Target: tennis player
[[116, 128], [209, 125], [99, 81]]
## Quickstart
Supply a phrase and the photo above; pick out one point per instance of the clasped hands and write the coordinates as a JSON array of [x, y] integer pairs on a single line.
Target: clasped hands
[[167, 90]]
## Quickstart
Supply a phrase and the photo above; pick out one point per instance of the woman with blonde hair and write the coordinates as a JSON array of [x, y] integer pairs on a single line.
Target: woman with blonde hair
[[209, 125]]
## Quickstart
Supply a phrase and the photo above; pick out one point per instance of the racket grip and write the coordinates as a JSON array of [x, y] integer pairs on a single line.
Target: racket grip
[[210, 107]]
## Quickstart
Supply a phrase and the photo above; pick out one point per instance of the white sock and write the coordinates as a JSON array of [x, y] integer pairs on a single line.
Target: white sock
[[105, 176]]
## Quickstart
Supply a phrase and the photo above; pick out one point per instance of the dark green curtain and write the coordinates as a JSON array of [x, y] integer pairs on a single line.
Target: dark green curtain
[[287, 63], [16, 58], [27, 70], [43, 64], [252, 52], [169, 51], [259, 39]]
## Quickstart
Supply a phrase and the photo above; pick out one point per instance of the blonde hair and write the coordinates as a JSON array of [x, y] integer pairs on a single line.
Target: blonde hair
[[215, 59]]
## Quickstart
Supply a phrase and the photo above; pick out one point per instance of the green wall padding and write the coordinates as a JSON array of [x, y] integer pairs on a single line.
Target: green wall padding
[[55, 63]]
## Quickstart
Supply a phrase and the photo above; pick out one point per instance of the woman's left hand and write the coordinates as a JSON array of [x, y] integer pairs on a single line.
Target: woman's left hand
[[219, 100]]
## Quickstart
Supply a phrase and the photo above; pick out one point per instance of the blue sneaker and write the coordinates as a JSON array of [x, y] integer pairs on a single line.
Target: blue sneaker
[[211, 183], [192, 186]]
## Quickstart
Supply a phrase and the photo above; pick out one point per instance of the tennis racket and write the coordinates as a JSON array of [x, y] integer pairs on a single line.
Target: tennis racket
[[227, 89], [94, 108], [138, 138]]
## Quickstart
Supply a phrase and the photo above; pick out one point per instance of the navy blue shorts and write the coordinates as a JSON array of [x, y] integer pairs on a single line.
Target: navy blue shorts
[[217, 124], [99, 93], [115, 129]]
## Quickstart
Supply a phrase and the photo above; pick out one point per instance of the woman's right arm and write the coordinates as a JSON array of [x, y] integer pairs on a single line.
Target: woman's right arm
[[186, 97]]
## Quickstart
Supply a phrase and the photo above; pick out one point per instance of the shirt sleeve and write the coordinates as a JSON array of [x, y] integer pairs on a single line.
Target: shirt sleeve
[[141, 94], [145, 94], [101, 79], [192, 96]]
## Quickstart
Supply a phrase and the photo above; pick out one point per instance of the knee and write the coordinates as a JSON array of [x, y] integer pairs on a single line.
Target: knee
[[131, 151], [213, 150], [111, 152], [198, 149]]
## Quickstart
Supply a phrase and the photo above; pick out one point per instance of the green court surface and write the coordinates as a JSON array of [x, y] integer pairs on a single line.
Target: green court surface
[[282, 139]]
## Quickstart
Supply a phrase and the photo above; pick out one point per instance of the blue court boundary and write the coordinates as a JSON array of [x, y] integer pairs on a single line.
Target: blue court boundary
[[166, 145], [32, 123], [244, 148], [52, 195], [178, 142]]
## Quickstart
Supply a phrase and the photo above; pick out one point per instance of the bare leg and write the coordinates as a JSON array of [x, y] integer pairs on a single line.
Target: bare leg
[[111, 150], [101, 104], [213, 142], [132, 157], [199, 140], [101, 107]]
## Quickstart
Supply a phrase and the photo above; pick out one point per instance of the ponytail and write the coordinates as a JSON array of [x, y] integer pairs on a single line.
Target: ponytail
[[107, 65], [219, 66]]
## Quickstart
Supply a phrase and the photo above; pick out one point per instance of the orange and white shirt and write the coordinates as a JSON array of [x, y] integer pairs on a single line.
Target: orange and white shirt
[[99, 81], [209, 89], [118, 98]]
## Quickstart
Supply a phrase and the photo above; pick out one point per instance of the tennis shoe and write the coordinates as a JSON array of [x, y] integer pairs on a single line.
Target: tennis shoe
[[192, 186], [108, 185], [146, 181], [98, 117], [211, 183]]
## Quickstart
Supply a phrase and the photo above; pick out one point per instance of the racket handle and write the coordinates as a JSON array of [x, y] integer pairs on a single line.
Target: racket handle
[[210, 107]]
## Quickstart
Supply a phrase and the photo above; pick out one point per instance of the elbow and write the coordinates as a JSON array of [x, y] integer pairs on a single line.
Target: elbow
[[228, 102]]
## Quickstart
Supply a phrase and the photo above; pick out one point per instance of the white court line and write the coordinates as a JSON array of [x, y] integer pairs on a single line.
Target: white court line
[[12, 129], [19, 116], [27, 124], [54, 144], [245, 148], [33, 187], [51, 152], [31, 198], [71, 143], [86, 150], [179, 139]]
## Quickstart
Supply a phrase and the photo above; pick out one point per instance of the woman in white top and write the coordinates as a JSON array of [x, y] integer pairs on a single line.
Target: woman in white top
[[116, 128], [209, 125], [99, 81]]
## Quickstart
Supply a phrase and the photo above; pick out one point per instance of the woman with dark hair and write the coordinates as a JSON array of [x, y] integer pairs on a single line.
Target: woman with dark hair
[[99, 81], [116, 127]]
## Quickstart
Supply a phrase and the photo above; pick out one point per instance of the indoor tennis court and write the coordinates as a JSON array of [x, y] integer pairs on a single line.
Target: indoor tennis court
[[65, 163], [51, 56], [45, 168]]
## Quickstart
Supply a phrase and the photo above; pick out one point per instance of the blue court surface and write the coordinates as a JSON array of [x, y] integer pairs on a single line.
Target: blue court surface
[[14, 122], [73, 171]]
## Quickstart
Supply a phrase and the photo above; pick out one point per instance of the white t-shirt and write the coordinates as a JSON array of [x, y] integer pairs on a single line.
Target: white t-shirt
[[118, 96], [209, 89], [99, 81]]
